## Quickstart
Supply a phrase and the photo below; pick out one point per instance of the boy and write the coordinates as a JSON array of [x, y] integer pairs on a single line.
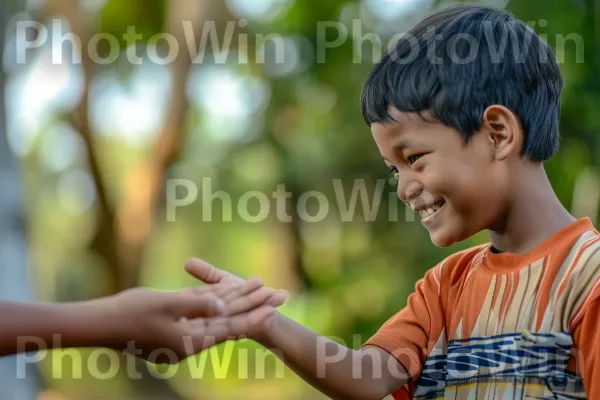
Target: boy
[[160, 327], [464, 110]]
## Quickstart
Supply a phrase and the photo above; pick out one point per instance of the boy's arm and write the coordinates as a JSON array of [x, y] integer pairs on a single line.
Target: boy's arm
[[337, 371], [333, 369]]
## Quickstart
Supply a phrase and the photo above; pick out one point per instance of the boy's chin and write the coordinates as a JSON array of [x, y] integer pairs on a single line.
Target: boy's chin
[[442, 238]]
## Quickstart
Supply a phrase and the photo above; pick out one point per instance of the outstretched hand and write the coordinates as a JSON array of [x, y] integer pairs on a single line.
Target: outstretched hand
[[157, 326], [212, 275], [168, 327]]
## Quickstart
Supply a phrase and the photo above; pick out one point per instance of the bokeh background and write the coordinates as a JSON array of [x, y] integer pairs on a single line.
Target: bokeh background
[[88, 149]]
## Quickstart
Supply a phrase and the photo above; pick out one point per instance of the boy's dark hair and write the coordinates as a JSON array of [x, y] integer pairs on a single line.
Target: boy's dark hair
[[482, 56]]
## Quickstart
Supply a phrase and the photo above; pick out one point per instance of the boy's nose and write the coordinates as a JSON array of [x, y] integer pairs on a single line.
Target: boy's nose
[[410, 190]]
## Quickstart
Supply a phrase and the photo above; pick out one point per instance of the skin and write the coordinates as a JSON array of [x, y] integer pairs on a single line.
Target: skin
[[304, 352], [484, 184], [184, 322]]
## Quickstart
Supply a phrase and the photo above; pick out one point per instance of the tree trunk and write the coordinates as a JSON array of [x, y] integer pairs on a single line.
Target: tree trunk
[[136, 212], [124, 228]]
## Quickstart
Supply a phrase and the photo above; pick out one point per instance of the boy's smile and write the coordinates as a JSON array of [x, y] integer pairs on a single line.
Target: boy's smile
[[454, 186], [430, 212], [428, 209]]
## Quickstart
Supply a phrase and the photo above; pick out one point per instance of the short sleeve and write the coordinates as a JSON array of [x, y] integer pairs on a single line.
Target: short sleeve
[[407, 335], [586, 336]]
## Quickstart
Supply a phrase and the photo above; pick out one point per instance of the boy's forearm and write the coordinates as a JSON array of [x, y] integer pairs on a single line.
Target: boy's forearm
[[335, 370], [28, 327]]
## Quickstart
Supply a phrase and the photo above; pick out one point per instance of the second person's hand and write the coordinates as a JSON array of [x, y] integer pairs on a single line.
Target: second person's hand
[[168, 327]]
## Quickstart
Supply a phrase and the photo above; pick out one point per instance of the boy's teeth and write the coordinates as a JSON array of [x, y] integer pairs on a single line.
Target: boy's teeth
[[429, 211]]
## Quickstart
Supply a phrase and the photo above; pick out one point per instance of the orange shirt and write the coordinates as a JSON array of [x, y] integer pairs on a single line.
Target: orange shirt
[[482, 325]]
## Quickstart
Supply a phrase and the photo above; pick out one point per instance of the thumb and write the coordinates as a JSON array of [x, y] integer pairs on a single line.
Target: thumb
[[202, 270], [204, 306]]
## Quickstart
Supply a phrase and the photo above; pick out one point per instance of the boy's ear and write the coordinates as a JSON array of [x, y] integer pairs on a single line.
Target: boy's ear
[[503, 131]]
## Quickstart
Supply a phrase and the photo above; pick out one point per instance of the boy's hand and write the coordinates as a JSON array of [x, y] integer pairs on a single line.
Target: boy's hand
[[210, 274], [168, 327], [302, 351]]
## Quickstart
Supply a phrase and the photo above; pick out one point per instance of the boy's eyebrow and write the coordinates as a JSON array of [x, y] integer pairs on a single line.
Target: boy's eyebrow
[[404, 143]]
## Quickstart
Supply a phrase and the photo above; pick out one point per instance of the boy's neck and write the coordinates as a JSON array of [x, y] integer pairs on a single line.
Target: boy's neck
[[533, 216]]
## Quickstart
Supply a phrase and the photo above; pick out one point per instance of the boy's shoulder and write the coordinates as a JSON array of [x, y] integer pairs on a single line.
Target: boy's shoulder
[[576, 260], [578, 245], [451, 269]]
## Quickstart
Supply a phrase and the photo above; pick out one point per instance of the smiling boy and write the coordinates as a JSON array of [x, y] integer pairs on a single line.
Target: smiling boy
[[466, 135]]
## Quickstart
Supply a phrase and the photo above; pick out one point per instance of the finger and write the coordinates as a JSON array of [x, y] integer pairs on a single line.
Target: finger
[[206, 272], [217, 289], [228, 292], [250, 301], [243, 290], [246, 323], [216, 330], [205, 306], [278, 298]]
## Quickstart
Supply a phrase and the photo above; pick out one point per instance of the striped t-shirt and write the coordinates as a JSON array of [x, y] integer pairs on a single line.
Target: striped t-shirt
[[482, 325]]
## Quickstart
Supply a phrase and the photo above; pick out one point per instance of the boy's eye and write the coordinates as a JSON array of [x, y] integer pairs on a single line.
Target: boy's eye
[[393, 172], [412, 159]]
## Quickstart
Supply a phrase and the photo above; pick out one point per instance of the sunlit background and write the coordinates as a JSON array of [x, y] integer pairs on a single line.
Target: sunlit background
[[94, 144]]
